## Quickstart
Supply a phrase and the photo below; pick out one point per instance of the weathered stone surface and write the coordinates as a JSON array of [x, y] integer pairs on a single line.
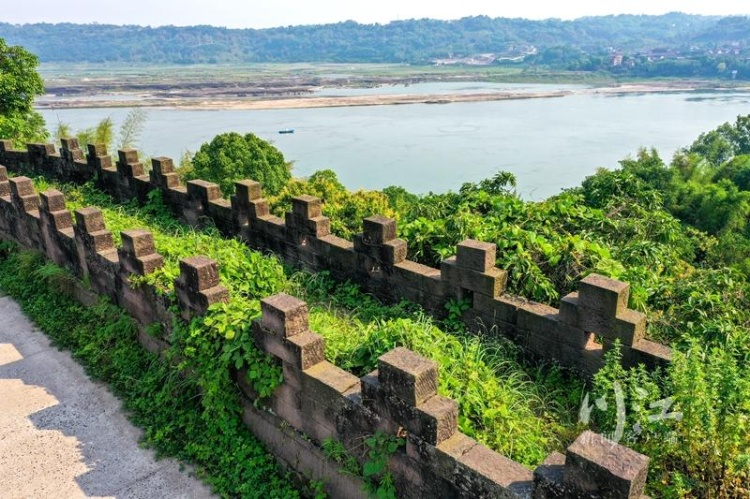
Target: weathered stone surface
[[378, 229], [53, 200], [629, 327], [437, 419], [476, 255], [96, 150], [89, 220], [604, 295], [138, 242], [126, 156], [408, 375], [21, 186], [203, 191], [248, 190], [484, 473], [569, 309], [284, 315], [549, 478], [162, 165], [598, 467], [306, 206], [199, 273]]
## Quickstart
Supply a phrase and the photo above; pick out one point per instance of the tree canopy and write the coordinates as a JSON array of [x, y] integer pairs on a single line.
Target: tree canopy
[[19, 84], [231, 156]]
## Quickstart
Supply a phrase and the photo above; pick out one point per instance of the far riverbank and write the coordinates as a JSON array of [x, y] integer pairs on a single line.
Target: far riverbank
[[291, 88]]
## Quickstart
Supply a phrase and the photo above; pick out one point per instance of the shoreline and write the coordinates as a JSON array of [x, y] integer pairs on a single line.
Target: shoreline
[[296, 102]]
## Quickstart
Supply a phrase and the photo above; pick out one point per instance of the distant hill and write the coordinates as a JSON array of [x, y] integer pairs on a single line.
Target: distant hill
[[413, 41]]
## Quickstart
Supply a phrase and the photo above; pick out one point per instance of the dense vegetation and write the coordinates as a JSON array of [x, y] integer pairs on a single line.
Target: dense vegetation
[[19, 85], [679, 234], [668, 45]]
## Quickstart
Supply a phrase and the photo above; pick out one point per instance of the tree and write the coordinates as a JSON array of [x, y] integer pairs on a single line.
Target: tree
[[19, 84], [230, 157]]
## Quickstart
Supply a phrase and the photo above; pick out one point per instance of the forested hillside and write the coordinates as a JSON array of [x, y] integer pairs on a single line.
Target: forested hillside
[[409, 41]]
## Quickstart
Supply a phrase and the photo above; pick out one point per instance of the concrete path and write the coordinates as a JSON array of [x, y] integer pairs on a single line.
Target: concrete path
[[64, 436]]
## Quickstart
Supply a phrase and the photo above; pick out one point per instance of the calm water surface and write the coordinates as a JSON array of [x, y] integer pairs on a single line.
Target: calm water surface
[[549, 144]]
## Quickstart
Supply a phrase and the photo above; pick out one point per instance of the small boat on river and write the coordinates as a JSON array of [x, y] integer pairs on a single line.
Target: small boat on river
[[286, 130]]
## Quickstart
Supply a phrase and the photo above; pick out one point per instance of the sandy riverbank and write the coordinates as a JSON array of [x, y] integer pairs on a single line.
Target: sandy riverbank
[[301, 102]]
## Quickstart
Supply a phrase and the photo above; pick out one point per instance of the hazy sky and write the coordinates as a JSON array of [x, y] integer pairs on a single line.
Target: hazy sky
[[268, 13]]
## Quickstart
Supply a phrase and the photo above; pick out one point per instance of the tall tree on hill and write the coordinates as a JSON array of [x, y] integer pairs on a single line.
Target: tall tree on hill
[[19, 84]]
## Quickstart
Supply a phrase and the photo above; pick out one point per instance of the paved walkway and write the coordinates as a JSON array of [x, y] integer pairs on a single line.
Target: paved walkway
[[64, 436]]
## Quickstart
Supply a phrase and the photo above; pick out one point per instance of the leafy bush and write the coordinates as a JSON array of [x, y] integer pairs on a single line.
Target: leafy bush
[[230, 157]]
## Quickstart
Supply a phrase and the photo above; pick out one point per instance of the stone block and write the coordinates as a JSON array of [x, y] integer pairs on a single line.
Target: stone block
[[378, 229], [127, 156], [307, 207], [203, 191], [138, 243], [28, 203], [52, 201], [207, 297], [543, 322], [100, 241], [284, 315], [629, 327], [199, 273], [89, 220], [569, 309], [476, 255], [450, 272], [162, 165], [300, 351], [61, 220], [394, 251], [408, 376], [436, 421], [21, 186], [319, 226], [40, 149], [607, 296], [598, 467], [6, 145], [443, 457], [3, 174], [96, 150], [485, 473], [327, 384], [490, 283], [69, 143], [549, 478], [653, 355], [501, 309], [130, 170], [149, 263], [248, 190]]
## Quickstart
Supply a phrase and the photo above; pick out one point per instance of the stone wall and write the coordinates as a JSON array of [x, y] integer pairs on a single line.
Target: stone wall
[[317, 400], [576, 335]]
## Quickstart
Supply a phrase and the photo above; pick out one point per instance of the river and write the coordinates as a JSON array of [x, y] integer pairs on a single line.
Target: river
[[549, 144]]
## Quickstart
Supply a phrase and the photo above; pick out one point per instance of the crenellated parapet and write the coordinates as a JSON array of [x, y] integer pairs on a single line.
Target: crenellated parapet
[[317, 400], [401, 399], [576, 335], [198, 286]]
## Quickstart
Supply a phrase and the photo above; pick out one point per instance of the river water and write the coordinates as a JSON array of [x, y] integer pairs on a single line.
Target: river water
[[549, 144]]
